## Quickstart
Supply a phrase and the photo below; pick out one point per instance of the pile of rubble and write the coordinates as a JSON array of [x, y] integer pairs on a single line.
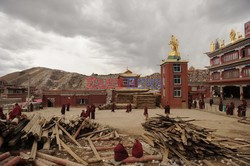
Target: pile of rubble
[[177, 138]]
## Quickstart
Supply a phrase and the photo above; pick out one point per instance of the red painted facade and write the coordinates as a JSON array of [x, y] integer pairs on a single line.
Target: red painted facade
[[169, 87], [55, 98]]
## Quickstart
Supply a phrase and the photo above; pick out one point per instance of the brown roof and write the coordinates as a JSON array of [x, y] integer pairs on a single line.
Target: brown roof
[[128, 73], [74, 92]]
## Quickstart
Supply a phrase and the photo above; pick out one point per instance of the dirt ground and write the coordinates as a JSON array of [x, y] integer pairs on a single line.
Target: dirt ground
[[130, 123]]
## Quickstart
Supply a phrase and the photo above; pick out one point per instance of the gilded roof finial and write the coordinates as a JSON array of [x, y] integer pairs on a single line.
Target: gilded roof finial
[[233, 36], [212, 47]]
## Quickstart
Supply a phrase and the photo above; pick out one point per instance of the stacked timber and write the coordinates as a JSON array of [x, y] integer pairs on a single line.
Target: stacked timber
[[188, 142], [181, 138], [145, 99]]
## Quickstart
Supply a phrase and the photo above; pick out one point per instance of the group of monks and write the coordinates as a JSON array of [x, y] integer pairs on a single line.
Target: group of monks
[[15, 113], [145, 113], [64, 108], [120, 153], [230, 108], [90, 112]]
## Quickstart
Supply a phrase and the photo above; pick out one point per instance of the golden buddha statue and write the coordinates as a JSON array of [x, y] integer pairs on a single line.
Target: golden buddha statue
[[232, 36], [174, 46], [222, 43], [212, 47]]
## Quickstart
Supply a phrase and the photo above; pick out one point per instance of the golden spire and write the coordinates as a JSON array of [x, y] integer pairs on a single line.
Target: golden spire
[[212, 47]]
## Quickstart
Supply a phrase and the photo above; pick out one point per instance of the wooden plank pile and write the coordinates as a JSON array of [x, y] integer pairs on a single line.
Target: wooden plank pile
[[36, 132], [179, 138], [147, 98]]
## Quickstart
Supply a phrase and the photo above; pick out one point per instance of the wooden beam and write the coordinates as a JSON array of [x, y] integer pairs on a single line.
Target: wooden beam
[[94, 149], [93, 132], [70, 137], [78, 130], [57, 160], [57, 137], [33, 150], [72, 153]]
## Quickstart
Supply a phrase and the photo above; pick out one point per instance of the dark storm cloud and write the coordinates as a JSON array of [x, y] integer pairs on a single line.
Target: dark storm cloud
[[133, 33]]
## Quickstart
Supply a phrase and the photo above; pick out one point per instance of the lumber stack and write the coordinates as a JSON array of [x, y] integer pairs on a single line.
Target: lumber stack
[[141, 100], [181, 138]]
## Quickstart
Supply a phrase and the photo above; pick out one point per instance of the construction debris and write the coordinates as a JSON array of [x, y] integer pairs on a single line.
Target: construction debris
[[180, 138], [63, 141]]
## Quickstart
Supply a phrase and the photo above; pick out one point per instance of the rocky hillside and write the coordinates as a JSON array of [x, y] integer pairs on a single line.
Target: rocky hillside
[[45, 78]]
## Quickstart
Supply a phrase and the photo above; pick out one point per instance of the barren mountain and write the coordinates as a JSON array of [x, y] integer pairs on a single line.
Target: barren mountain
[[45, 78]]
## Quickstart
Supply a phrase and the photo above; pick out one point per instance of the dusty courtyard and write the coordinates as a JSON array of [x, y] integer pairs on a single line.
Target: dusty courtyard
[[131, 122]]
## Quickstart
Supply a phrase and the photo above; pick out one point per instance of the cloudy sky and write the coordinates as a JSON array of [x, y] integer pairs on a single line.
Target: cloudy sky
[[106, 36]]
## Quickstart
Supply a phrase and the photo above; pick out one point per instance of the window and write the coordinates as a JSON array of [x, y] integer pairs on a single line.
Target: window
[[164, 92], [177, 92], [83, 101], [177, 80], [230, 57], [163, 82], [215, 61], [125, 82], [235, 73], [163, 69], [216, 76], [246, 72], [177, 67], [194, 88]]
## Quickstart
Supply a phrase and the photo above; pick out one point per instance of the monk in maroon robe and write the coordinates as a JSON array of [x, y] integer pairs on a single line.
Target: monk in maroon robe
[[2, 116], [113, 107], [146, 112], [167, 108], [83, 114], [88, 111], [130, 107], [127, 108], [92, 111], [120, 152], [137, 150], [17, 111], [63, 109], [68, 107]]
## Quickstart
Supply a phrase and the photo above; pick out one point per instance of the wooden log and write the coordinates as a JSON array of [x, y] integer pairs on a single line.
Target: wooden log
[[45, 135], [4, 156], [33, 150], [208, 163], [94, 149], [71, 138], [103, 148], [40, 163], [57, 160], [75, 156], [57, 137], [16, 160], [93, 132], [14, 140], [78, 130], [6, 160], [48, 163], [142, 159], [31, 123], [148, 140]]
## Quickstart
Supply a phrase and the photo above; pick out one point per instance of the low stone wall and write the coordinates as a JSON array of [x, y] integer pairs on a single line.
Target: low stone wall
[[215, 109]]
